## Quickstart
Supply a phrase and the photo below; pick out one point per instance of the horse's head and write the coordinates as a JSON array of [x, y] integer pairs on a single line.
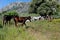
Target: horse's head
[[29, 18]]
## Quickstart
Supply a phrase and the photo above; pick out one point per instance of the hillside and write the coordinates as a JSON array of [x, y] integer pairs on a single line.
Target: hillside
[[20, 7]]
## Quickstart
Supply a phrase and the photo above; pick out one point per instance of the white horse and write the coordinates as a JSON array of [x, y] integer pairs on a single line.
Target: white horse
[[36, 18], [42, 18], [27, 21]]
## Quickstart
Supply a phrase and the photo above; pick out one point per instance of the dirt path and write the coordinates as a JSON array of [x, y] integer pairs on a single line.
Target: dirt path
[[37, 35]]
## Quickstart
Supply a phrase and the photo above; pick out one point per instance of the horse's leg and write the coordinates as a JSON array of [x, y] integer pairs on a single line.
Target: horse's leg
[[9, 22], [51, 18], [15, 23], [24, 23], [6, 22]]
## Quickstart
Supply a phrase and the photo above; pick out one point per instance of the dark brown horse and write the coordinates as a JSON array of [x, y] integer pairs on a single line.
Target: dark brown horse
[[21, 20], [7, 19]]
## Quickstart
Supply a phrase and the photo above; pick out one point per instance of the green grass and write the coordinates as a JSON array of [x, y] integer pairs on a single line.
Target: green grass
[[26, 14], [51, 29], [13, 33]]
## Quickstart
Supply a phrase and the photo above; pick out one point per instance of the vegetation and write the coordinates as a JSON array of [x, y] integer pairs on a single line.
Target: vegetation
[[48, 7], [11, 13]]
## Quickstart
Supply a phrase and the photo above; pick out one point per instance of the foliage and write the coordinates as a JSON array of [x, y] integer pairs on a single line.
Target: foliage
[[44, 6], [11, 13]]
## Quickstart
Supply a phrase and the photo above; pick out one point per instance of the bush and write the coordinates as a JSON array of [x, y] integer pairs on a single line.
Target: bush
[[11, 13]]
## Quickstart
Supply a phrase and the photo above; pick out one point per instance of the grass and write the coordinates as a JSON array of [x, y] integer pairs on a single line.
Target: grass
[[13, 33], [35, 30], [49, 29], [26, 14]]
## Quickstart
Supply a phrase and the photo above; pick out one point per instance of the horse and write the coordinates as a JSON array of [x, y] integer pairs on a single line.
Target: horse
[[21, 20], [7, 19], [36, 18]]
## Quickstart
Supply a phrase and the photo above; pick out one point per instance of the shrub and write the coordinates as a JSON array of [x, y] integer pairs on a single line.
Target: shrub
[[11, 13]]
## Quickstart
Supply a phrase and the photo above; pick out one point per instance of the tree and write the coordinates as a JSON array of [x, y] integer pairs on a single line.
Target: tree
[[47, 7], [34, 5]]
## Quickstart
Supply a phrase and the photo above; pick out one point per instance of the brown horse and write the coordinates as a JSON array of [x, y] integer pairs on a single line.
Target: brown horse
[[21, 20]]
